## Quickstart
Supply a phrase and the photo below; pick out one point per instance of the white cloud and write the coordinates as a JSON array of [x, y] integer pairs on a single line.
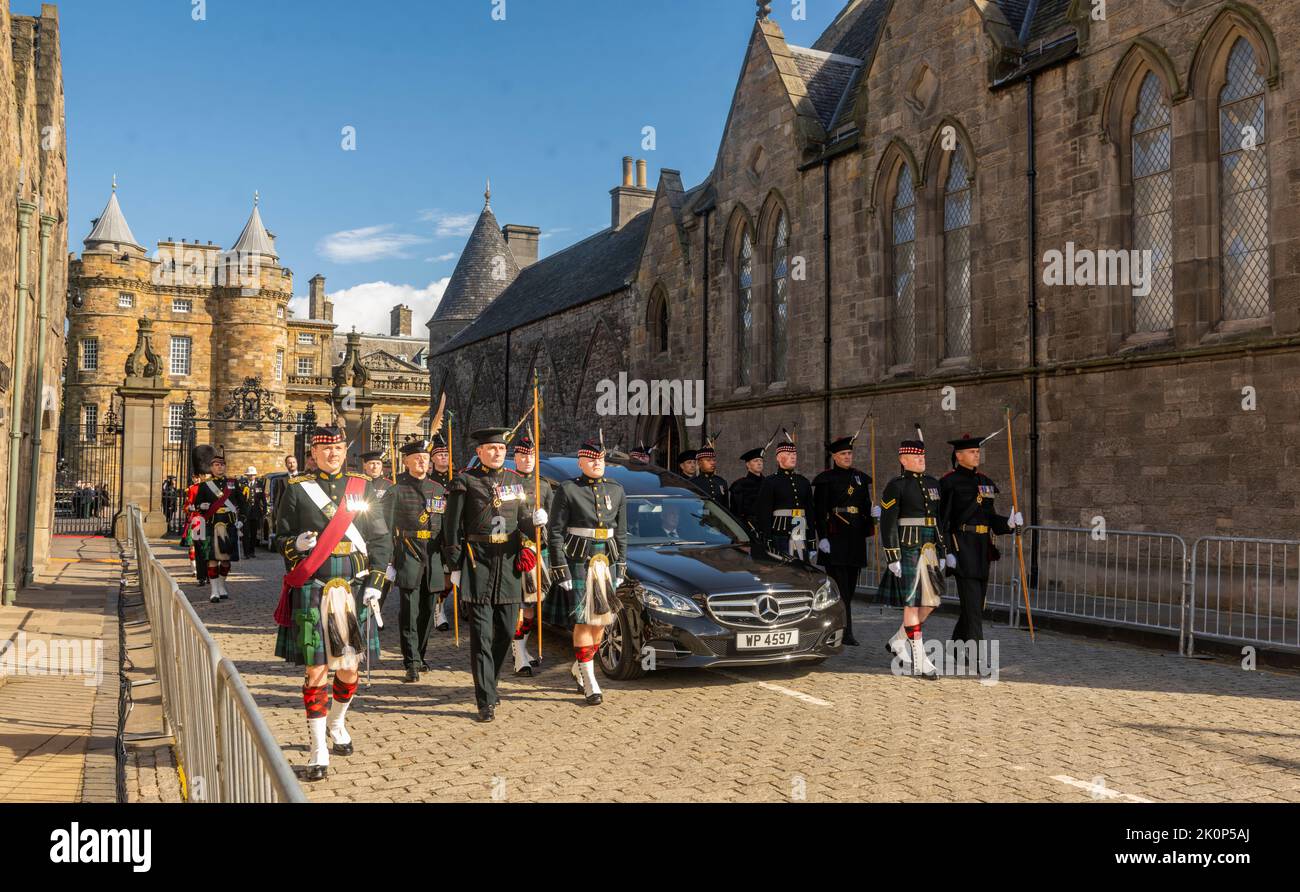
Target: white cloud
[[442, 258], [366, 306], [367, 243], [556, 231], [447, 224]]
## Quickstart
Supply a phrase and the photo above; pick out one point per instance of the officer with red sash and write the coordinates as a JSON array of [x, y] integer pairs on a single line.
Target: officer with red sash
[[336, 544], [215, 522]]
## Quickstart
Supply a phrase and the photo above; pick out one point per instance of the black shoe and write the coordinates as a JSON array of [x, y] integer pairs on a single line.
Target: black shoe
[[851, 641], [315, 772], [487, 713], [442, 627], [214, 599], [342, 749], [594, 700], [412, 674], [425, 667], [225, 597]]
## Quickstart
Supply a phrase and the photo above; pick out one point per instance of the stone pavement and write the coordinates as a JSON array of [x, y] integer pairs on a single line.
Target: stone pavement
[[1069, 720], [58, 681]]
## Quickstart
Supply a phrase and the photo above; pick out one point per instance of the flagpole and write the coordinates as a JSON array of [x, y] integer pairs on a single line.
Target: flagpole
[[537, 501], [451, 473], [1020, 540]]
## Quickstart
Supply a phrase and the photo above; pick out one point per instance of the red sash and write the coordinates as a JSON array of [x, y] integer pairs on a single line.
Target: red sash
[[216, 506], [325, 542]]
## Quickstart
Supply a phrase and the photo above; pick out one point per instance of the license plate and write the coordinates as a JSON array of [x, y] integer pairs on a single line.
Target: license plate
[[766, 640]]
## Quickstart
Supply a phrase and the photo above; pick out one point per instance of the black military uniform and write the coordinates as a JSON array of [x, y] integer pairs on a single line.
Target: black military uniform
[[525, 663], [709, 482], [783, 510], [383, 487], [745, 490], [253, 489], [418, 505], [488, 533], [686, 455], [842, 508], [439, 447], [966, 506]]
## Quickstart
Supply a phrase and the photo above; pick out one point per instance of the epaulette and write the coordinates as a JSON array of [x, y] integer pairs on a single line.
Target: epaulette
[[355, 474], [949, 474], [301, 478]]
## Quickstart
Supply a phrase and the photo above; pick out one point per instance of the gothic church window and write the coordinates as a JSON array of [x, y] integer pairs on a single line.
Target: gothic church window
[[903, 232], [1243, 166], [1153, 214], [744, 307], [956, 256], [780, 296]]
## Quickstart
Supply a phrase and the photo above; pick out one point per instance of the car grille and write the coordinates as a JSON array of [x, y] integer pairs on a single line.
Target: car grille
[[760, 610]]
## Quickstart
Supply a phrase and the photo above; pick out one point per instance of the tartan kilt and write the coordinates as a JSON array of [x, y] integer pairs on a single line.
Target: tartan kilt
[[303, 643], [219, 544], [568, 608], [907, 590]]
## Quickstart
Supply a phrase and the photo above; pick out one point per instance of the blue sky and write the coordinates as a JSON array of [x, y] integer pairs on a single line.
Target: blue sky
[[193, 116]]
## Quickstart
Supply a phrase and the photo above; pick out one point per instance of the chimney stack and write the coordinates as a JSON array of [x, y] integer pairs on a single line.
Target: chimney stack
[[523, 243], [628, 200], [399, 321], [318, 305]]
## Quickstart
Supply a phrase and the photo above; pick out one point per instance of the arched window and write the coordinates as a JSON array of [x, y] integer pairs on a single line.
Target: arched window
[[663, 324], [780, 296], [657, 319], [1153, 205], [956, 256], [744, 306], [903, 230], [1243, 187]]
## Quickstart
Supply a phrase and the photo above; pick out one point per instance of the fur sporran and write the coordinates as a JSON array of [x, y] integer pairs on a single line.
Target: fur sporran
[[601, 600]]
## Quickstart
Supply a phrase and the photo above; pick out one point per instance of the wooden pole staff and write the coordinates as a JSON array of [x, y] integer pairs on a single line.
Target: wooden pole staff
[[1020, 540], [876, 551], [537, 500], [451, 472]]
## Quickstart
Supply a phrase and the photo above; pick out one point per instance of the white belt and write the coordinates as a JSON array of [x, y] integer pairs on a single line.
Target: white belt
[[589, 533], [916, 522], [788, 512]]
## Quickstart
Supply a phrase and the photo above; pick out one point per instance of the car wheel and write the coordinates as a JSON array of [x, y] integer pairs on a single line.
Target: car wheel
[[620, 650]]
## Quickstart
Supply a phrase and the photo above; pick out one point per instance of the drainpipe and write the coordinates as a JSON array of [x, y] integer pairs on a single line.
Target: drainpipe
[[826, 330], [505, 417], [705, 309], [1032, 182], [25, 209], [43, 317]]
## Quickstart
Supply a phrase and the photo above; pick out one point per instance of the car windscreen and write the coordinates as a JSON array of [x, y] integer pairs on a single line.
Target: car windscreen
[[676, 520]]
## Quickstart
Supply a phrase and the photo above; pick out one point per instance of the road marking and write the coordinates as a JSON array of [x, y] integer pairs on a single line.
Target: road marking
[[789, 692], [1098, 791]]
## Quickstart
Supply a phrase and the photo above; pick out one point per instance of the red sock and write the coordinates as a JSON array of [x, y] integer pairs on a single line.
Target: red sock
[[317, 701], [586, 653], [343, 690], [212, 571], [913, 631], [523, 628]]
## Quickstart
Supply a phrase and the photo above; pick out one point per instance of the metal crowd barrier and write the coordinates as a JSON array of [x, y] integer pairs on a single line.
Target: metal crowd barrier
[[1235, 590], [225, 751]]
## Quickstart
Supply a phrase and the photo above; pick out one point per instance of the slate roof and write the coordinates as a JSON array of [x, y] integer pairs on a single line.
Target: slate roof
[[853, 33], [826, 76], [473, 286], [254, 239], [1035, 19], [593, 268], [110, 228]]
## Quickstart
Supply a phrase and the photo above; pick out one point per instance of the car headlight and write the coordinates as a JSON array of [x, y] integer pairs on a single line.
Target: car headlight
[[826, 596], [670, 602]]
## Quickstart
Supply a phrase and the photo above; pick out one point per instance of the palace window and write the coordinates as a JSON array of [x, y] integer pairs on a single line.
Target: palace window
[[125, 299], [1153, 204], [1243, 165], [306, 366], [175, 422], [279, 365], [780, 296], [956, 257], [89, 354], [903, 226], [305, 337], [180, 354], [744, 307], [182, 305], [90, 422]]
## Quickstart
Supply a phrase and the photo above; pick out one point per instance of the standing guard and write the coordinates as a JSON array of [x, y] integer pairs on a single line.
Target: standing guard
[[441, 472], [525, 462], [706, 457], [418, 503], [913, 537], [588, 531], [966, 506], [745, 490], [846, 519], [215, 523], [488, 532], [334, 543], [253, 489], [784, 504], [687, 466]]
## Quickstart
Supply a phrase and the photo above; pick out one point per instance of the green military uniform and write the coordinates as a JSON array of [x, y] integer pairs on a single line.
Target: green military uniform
[[588, 526], [486, 528], [418, 507], [912, 535]]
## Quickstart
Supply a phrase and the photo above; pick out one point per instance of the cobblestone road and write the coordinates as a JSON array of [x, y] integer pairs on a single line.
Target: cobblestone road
[[1069, 720]]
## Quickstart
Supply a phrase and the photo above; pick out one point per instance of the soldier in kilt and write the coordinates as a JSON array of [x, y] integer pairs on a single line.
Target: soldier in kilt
[[525, 462], [588, 531], [489, 528], [441, 473], [417, 503], [913, 537], [215, 523], [320, 616]]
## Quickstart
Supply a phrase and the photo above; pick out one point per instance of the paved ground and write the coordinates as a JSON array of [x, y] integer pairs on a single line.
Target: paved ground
[[1068, 720], [58, 683]]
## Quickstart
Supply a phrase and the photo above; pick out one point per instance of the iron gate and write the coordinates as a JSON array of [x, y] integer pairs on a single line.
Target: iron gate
[[88, 479]]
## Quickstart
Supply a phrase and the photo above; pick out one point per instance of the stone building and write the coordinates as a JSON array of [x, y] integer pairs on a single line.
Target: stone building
[[219, 318], [33, 279], [885, 232]]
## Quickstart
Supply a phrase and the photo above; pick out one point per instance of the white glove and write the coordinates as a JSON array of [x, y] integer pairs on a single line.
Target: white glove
[[951, 561], [305, 542], [824, 546], [390, 573], [567, 585], [239, 524], [1015, 520], [875, 511], [897, 569], [370, 597], [539, 517], [455, 578]]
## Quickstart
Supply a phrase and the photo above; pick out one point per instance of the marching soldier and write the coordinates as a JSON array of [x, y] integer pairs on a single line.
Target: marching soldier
[[847, 519], [441, 472], [687, 466], [784, 504], [588, 531], [254, 492], [745, 490], [488, 531], [335, 546], [372, 465], [215, 522], [966, 506], [418, 503], [912, 534], [525, 462], [706, 459]]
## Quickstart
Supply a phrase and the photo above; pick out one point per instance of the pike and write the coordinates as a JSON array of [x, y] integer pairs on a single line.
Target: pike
[[1020, 541], [537, 501], [455, 595]]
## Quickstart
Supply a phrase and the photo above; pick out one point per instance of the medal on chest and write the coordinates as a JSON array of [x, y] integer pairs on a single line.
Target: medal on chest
[[330, 510]]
